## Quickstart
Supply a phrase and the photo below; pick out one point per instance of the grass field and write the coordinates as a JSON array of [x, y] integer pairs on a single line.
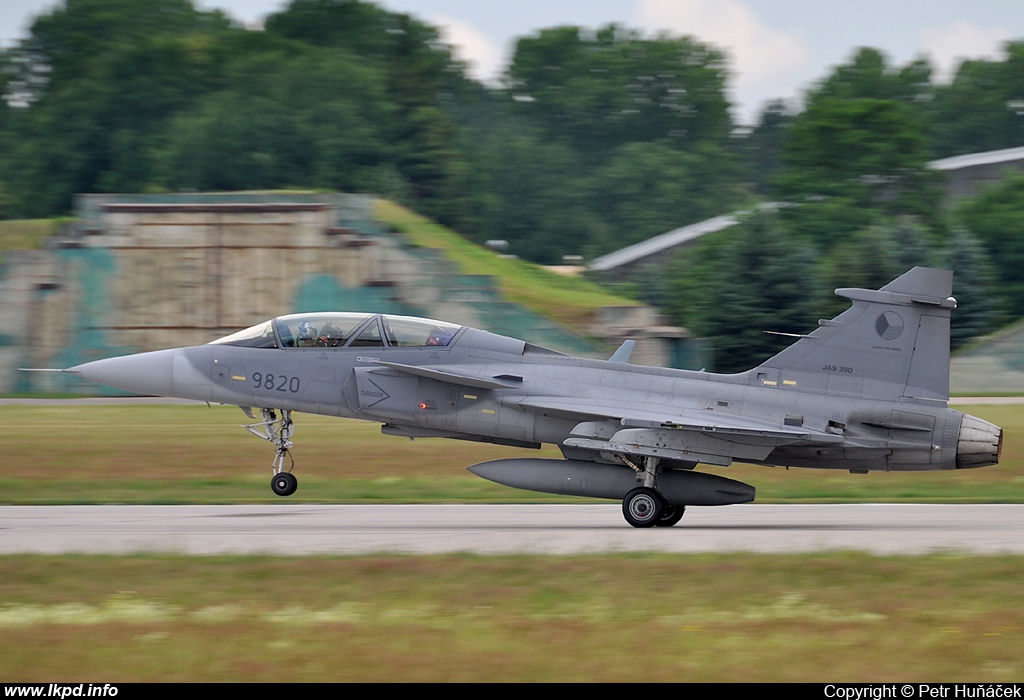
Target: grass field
[[729, 617], [196, 454]]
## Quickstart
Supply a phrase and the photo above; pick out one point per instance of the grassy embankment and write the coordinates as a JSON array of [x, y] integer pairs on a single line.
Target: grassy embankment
[[195, 454], [568, 300], [27, 234]]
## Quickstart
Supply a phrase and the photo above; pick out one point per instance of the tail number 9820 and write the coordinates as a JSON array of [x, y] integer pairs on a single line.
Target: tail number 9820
[[275, 382]]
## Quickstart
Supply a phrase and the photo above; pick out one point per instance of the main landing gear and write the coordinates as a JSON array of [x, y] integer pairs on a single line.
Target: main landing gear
[[644, 506], [670, 515], [278, 431]]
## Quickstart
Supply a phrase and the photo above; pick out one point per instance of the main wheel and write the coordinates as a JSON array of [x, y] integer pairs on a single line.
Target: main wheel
[[284, 484], [642, 507], [670, 515]]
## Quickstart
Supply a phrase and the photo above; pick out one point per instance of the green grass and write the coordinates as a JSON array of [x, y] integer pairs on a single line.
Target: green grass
[[639, 617], [569, 300], [25, 234], [196, 454]]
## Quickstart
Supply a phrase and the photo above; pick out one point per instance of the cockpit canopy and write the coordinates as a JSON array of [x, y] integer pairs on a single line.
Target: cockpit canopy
[[335, 330]]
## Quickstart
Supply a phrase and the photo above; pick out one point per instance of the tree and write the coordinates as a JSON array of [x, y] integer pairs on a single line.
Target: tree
[[95, 84], [526, 190], [974, 282], [860, 145], [315, 118], [868, 75], [419, 73], [63, 44], [597, 91], [761, 149], [648, 188], [751, 278], [983, 108], [869, 149], [997, 219], [360, 27], [872, 257]]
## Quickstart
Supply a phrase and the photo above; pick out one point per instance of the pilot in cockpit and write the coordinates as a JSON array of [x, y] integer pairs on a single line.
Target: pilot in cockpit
[[331, 336], [306, 336], [439, 336]]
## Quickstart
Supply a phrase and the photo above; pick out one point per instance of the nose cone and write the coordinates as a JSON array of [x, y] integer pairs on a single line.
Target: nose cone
[[145, 373]]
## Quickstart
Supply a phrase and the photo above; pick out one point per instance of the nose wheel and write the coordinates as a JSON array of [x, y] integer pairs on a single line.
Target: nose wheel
[[284, 484]]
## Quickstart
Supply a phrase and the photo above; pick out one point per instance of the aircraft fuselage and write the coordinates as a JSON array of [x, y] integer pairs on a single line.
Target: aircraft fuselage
[[353, 383], [865, 391]]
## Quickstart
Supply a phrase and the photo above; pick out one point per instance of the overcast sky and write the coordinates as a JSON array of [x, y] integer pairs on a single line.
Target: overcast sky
[[777, 48]]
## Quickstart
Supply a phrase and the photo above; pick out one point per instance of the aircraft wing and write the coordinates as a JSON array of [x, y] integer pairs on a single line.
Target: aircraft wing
[[687, 435], [688, 419]]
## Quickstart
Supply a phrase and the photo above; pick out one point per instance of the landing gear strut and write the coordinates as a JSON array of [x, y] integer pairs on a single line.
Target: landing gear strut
[[278, 431]]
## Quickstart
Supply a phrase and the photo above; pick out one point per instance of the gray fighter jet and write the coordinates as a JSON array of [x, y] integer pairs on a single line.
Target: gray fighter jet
[[867, 390]]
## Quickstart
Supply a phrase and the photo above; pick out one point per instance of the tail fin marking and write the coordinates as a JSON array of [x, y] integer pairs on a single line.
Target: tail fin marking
[[892, 343]]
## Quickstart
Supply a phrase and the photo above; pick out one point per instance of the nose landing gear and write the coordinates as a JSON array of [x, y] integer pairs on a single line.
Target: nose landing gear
[[278, 431]]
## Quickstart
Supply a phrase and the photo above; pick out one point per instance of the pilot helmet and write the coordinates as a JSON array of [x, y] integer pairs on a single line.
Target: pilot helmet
[[307, 331], [439, 336]]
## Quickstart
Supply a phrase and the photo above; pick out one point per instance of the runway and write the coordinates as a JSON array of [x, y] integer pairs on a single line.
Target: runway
[[507, 529]]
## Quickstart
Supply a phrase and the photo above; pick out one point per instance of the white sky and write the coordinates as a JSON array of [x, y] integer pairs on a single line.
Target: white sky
[[777, 48]]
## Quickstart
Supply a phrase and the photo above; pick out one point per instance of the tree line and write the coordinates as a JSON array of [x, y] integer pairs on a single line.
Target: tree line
[[595, 139]]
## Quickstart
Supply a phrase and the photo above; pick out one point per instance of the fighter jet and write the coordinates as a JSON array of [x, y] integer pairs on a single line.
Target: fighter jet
[[866, 390]]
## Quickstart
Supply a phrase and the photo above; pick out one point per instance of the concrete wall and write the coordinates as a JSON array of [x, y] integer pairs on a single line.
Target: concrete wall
[[138, 272], [143, 273]]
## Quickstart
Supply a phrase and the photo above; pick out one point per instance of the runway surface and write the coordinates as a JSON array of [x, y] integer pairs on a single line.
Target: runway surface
[[492, 529]]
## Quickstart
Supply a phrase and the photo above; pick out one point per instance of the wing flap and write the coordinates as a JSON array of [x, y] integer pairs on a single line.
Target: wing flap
[[724, 427]]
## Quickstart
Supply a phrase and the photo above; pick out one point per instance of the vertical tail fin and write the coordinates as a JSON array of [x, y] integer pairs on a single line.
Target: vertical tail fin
[[891, 343]]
